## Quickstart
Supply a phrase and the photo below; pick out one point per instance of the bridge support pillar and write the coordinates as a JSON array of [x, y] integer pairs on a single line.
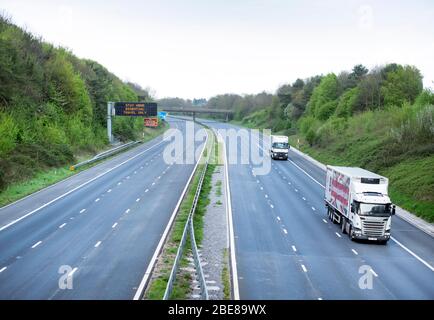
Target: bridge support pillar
[[227, 117], [194, 116]]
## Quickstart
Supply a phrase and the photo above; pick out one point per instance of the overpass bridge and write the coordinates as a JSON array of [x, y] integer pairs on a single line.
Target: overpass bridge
[[193, 110]]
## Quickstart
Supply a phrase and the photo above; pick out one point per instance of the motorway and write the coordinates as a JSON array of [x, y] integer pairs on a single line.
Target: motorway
[[104, 224], [285, 248]]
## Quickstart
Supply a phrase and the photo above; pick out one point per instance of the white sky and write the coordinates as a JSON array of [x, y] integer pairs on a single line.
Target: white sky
[[200, 48]]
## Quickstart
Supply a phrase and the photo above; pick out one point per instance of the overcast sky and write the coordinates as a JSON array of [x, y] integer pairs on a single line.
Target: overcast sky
[[200, 48]]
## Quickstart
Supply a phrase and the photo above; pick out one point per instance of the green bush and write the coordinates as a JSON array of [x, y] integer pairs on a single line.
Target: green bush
[[8, 133], [326, 110]]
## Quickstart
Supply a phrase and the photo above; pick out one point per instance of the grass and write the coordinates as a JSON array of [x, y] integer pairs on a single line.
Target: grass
[[46, 178], [226, 277], [219, 188]]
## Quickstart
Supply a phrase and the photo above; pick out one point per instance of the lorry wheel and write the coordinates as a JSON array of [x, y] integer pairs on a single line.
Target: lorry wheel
[[344, 226], [383, 242], [329, 214], [351, 233]]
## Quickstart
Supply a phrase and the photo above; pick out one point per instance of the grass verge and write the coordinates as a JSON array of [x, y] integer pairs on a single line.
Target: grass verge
[[226, 277], [160, 276], [49, 177]]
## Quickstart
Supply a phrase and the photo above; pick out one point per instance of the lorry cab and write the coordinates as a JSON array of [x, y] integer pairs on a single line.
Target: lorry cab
[[370, 217], [279, 147]]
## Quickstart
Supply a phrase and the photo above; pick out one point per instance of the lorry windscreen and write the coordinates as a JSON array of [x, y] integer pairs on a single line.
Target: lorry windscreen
[[280, 145], [374, 209]]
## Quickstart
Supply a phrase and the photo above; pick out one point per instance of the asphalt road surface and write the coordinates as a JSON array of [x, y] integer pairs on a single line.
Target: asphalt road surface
[[104, 232], [286, 248]]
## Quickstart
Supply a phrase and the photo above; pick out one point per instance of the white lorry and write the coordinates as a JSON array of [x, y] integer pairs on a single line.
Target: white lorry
[[358, 200], [279, 147]]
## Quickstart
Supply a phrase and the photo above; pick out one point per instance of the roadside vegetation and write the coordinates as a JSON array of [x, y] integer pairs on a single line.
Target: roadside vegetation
[[53, 107]]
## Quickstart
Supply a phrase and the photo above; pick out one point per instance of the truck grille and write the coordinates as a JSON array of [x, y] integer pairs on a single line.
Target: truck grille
[[373, 228]]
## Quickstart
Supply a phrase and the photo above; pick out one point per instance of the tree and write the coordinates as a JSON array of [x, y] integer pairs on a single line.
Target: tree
[[402, 85], [323, 98], [370, 96], [359, 71]]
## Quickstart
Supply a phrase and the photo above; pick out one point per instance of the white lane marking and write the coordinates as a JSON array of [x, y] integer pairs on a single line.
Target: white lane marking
[[141, 167], [306, 173], [285, 231], [128, 210], [261, 188], [119, 183], [413, 254], [304, 268], [271, 206], [72, 272], [304, 198], [266, 196], [257, 181], [355, 252], [97, 199], [153, 183], [109, 190], [114, 225], [159, 177], [294, 249], [151, 264], [36, 244], [128, 177], [325, 221], [138, 199], [313, 208], [338, 235], [82, 210], [135, 172], [62, 225], [146, 163], [373, 272], [146, 190], [97, 244], [3, 269], [278, 218]]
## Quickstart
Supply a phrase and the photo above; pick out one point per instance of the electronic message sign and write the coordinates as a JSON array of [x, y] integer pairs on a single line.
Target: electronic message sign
[[136, 109]]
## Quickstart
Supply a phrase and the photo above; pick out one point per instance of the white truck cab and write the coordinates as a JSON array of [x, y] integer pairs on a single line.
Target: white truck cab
[[279, 147]]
